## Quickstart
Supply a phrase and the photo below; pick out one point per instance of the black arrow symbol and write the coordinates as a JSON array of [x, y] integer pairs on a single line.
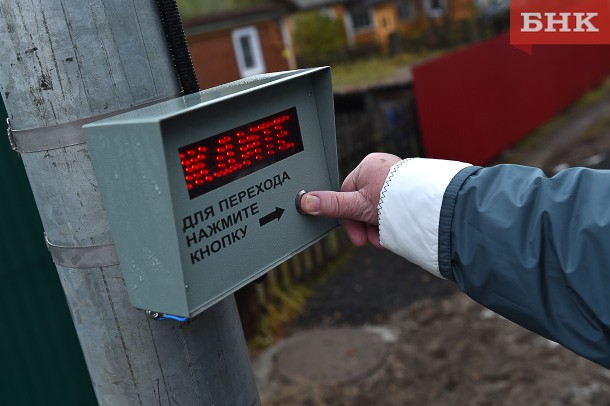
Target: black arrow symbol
[[276, 214]]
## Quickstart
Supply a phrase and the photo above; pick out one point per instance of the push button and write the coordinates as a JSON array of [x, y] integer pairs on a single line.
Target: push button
[[298, 201]]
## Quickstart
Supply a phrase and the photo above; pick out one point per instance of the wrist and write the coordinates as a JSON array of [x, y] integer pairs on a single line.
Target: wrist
[[409, 208]]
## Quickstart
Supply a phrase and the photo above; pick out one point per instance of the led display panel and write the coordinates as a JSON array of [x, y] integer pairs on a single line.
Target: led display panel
[[220, 159]]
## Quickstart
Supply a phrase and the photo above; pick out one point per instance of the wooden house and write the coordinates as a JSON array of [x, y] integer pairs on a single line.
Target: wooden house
[[385, 24], [239, 42]]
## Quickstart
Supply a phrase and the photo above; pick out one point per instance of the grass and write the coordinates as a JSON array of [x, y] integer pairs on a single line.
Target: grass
[[284, 304], [366, 72], [538, 136], [595, 95], [596, 128]]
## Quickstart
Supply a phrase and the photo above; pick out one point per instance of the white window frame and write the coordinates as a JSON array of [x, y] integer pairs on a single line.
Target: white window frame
[[369, 27], [257, 52], [435, 12], [409, 6]]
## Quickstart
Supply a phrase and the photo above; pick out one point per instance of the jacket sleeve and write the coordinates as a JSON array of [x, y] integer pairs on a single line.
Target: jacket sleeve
[[534, 249]]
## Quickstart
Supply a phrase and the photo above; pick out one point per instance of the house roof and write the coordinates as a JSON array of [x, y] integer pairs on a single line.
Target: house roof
[[312, 4], [235, 13], [364, 3], [235, 18]]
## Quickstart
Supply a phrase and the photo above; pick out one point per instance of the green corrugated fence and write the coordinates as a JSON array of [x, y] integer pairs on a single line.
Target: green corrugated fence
[[40, 358]]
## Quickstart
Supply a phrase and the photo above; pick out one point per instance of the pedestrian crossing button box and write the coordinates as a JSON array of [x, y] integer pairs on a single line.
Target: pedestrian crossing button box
[[200, 190]]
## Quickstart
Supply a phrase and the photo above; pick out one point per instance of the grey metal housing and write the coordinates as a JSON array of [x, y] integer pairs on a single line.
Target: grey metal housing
[[153, 220]]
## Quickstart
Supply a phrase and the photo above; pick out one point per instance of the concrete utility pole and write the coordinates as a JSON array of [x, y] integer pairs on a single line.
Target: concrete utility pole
[[64, 61]]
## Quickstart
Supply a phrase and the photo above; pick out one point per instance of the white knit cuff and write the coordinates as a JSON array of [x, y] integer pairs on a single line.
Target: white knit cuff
[[410, 207]]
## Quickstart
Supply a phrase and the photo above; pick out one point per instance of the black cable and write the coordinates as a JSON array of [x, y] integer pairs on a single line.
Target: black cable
[[178, 47]]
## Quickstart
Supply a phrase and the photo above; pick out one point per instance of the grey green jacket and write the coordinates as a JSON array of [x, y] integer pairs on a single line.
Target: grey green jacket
[[534, 249]]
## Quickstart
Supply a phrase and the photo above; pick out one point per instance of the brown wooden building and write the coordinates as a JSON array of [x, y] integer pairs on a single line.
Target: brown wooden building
[[376, 24], [236, 44]]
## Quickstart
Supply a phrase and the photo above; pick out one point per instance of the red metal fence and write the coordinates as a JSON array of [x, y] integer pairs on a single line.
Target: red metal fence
[[475, 102]]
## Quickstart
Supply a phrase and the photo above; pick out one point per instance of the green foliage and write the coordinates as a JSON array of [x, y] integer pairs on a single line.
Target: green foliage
[[318, 39], [193, 8], [596, 95]]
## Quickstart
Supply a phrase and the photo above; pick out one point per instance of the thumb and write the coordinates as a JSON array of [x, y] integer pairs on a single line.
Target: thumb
[[346, 205]]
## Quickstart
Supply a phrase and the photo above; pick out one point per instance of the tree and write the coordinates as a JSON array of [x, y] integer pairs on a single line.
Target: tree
[[318, 39]]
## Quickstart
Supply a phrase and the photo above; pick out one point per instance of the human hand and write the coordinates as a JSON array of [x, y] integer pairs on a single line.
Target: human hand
[[357, 202]]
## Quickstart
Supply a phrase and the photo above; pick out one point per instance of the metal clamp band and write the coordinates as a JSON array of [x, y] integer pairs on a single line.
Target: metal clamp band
[[89, 256], [11, 138], [61, 135]]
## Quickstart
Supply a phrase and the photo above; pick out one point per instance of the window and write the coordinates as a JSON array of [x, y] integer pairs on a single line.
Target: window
[[406, 10], [248, 53], [435, 8], [361, 19]]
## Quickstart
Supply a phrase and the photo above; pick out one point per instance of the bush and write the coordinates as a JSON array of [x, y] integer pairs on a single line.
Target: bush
[[318, 39]]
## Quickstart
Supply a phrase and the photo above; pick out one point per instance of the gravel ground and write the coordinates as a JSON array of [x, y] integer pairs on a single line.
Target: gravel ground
[[450, 350]]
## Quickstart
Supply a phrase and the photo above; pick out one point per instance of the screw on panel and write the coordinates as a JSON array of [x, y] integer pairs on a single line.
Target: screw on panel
[[153, 315], [162, 316]]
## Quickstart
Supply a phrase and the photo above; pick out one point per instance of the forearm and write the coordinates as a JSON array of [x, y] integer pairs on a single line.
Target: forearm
[[534, 249]]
